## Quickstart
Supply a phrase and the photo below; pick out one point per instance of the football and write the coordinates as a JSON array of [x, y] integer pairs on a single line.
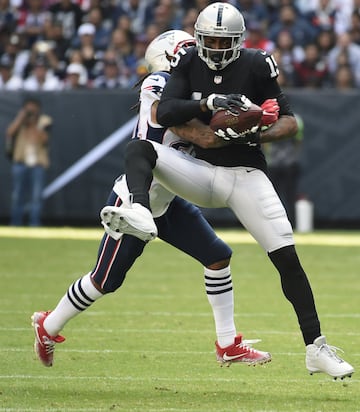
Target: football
[[241, 122]]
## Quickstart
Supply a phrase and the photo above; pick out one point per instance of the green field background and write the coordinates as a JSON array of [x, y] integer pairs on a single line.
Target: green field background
[[150, 345]]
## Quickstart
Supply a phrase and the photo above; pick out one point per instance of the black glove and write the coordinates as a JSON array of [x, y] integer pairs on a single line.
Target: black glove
[[250, 138], [227, 101]]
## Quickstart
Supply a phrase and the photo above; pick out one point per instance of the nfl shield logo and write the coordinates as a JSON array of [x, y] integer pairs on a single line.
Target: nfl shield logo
[[217, 79]]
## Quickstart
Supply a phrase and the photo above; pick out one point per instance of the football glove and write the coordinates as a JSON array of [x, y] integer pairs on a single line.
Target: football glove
[[249, 137], [227, 101], [270, 114]]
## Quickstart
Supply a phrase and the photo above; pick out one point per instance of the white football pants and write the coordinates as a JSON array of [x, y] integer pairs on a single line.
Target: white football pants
[[246, 191]]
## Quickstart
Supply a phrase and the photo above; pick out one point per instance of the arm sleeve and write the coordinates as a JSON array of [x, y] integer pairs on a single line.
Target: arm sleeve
[[284, 104], [175, 107]]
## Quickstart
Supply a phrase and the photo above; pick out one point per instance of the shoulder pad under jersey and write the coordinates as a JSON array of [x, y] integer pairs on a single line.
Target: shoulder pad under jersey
[[264, 65], [183, 58], [154, 84]]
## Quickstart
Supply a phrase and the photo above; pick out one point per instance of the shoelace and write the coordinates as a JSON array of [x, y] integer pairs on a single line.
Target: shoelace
[[331, 351], [49, 345], [247, 344]]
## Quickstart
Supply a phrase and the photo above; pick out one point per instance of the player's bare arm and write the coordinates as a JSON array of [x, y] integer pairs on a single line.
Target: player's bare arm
[[193, 131], [284, 128], [153, 111], [198, 133]]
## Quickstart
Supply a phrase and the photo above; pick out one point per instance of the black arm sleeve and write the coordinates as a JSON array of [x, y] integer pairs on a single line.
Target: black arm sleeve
[[174, 107], [272, 89], [284, 105]]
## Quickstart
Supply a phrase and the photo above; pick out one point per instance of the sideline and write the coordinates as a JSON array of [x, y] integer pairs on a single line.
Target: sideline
[[326, 238]]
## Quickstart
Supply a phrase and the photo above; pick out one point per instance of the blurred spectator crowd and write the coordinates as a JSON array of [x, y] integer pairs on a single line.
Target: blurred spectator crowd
[[100, 44]]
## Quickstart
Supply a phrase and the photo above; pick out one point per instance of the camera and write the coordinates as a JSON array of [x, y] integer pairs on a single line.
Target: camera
[[30, 113], [43, 46]]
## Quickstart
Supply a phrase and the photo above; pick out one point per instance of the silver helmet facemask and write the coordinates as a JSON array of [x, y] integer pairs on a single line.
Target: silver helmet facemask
[[219, 20]]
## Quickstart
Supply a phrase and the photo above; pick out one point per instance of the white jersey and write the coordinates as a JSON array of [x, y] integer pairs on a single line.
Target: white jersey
[[151, 90]]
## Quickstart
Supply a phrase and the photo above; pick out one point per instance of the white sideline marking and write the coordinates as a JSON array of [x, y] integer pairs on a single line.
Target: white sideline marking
[[207, 314], [149, 352], [95, 410], [141, 409], [152, 379], [174, 331], [57, 409], [189, 314], [235, 236]]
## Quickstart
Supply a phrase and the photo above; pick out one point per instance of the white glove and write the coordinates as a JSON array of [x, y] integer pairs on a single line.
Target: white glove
[[249, 137]]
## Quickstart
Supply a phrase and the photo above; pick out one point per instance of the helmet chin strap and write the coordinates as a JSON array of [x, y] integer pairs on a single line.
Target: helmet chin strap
[[168, 56]]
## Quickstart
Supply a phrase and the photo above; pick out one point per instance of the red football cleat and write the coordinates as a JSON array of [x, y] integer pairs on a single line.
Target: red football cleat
[[44, 343], [241, 351]]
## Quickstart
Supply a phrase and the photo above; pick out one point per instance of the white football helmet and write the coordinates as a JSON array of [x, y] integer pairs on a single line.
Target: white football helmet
[[163, 48], [219, 20]]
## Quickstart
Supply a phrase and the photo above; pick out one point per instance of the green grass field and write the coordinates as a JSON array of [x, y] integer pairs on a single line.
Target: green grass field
[[150, 346]]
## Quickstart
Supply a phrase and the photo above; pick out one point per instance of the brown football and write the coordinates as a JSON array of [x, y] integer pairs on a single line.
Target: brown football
[[222, 119]]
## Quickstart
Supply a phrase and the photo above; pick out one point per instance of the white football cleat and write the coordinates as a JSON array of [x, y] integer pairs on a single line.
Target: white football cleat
[[321, 357], [134, 220]]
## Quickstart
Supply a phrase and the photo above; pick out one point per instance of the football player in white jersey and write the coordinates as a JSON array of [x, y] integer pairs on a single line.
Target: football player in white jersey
[[177, 222], [215, 75]]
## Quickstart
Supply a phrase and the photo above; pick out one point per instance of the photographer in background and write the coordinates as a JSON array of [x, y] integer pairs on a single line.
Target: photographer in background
[[27, 143]]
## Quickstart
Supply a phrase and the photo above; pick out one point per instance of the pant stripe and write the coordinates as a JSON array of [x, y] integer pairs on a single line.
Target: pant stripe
[[113, 257]]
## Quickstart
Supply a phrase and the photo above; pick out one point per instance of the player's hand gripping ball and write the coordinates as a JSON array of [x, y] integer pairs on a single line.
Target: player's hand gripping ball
[[242, 124], [270, 109], [243, 121]]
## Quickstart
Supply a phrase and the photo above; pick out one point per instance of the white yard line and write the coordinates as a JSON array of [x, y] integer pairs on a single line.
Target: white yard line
[[188, 314], [170, 331], [152, 379], [329, 238]]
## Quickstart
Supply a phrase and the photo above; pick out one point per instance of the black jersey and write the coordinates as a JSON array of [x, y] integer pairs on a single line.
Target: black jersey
[[253, 74]]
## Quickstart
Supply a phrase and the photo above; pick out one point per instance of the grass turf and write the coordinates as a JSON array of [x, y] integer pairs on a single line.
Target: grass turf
[[150, 346]]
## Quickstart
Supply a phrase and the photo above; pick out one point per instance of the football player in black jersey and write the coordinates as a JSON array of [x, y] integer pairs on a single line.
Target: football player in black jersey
[[178, 223], [215, 75]]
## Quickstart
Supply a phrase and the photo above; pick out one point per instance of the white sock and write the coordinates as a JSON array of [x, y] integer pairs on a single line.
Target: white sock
[[79, 296], [218, 285]]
